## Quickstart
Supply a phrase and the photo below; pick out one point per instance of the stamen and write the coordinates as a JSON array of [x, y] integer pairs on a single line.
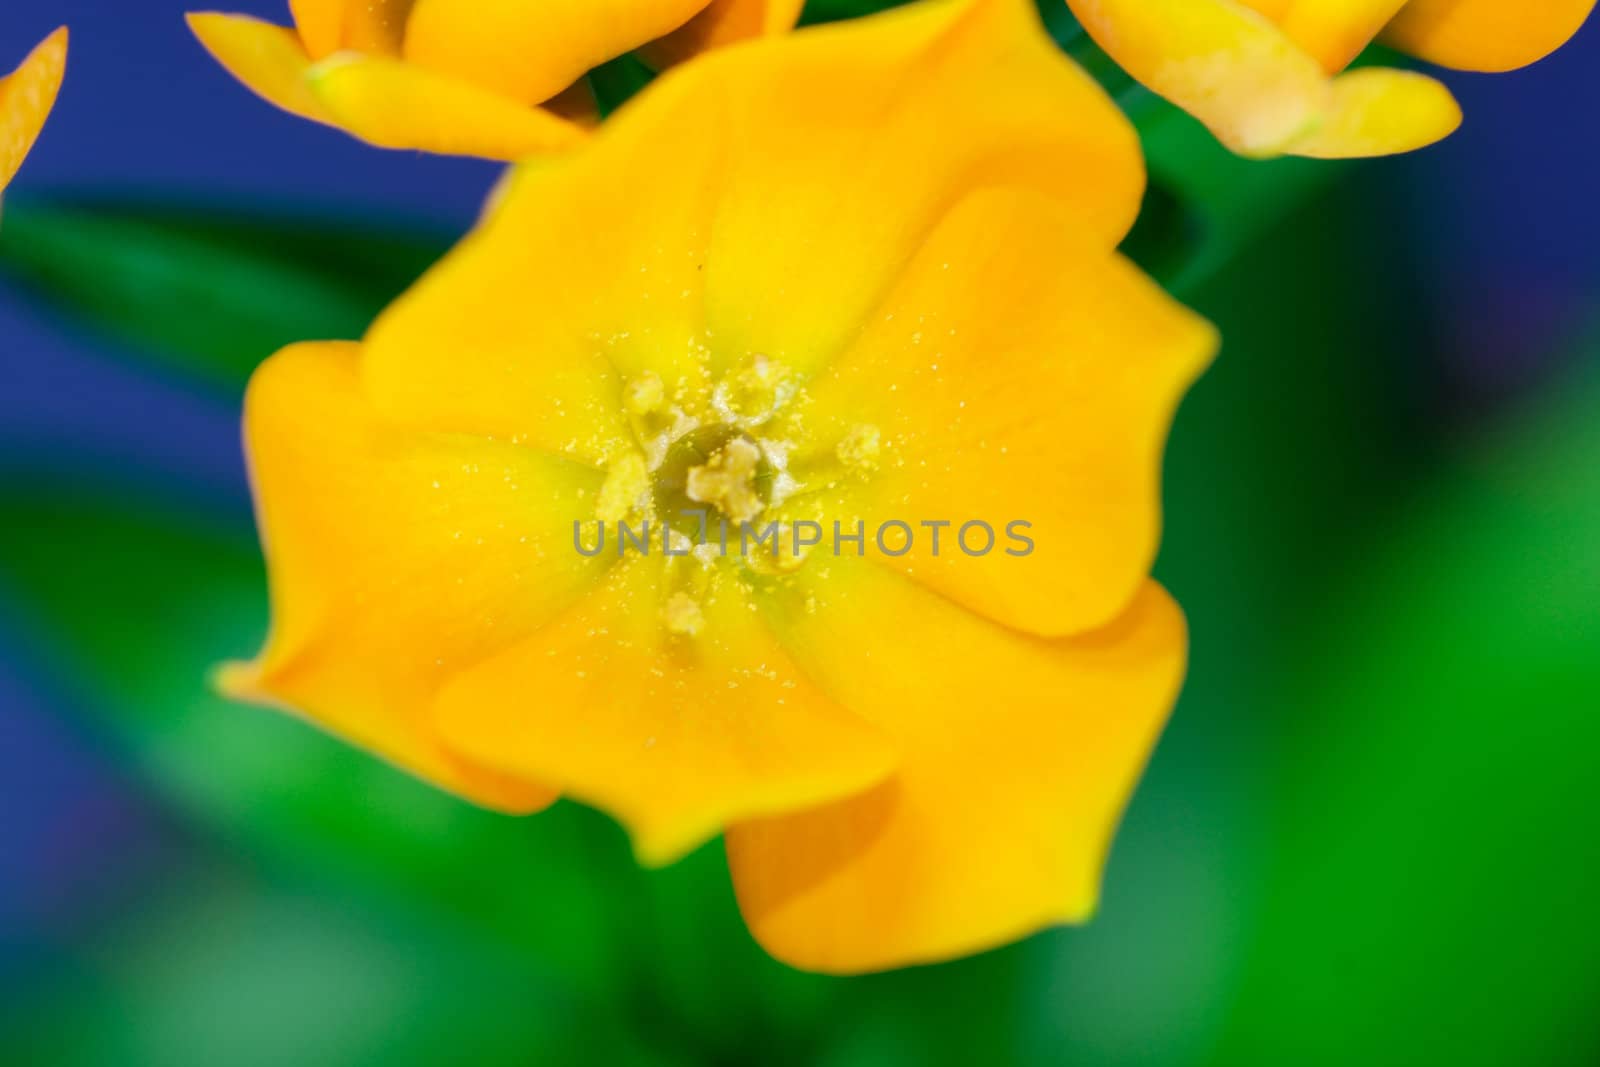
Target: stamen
[[645, 395], [860, 448], [728, 480], [627, 486], [681, 615], [751, 396]]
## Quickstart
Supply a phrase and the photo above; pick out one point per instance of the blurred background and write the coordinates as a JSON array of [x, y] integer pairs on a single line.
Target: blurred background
[[1371, 833]]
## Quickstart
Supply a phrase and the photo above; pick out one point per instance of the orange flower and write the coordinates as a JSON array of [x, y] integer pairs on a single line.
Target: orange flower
[[863, 274], [26, 97], [1264, 75], [499, 79]]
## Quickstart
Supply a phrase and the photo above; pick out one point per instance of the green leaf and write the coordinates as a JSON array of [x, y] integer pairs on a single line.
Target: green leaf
[[210, 294]]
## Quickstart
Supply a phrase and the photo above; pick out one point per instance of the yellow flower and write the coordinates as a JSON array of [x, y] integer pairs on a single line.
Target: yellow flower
[[500, 79], [26, 97], [862, 274], [1264, 75]]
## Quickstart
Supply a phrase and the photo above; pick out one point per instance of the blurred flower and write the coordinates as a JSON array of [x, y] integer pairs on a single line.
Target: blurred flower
[[501, 79], [859, 274], [1264, 75], [26, 97]]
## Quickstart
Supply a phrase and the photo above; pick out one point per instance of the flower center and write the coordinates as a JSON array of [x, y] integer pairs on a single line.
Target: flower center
[[711, 476], [711, 473], [728, 480]]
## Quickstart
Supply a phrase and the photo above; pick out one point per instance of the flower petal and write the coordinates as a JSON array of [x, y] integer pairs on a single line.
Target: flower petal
[[377, 26], [1379, 112], [581, 276], [270, 60], [394, 104], [320, 24], [397, 559], [1223, 63], [675, 735], [529, 52], [1332, 31], [829, 191], [1019, 372], [26, 97], [771, 223], [1018, 757], [329, 26], [722, 23], [1486, 35]]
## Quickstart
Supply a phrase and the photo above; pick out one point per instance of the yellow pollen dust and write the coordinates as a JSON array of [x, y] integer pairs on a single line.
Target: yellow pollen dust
[[682, 615], [728, 480], [860, 447], [626, 486], [645, 395]]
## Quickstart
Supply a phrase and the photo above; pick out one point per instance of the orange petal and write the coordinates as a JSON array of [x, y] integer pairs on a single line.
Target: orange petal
[[674, 734], [327, 26], [1019, 755], [376, 25], [394, 104], [529, 52], [586, 275], [270, 60], [1255, 72], [1228, 66], [26, 97], [396, 561], [582, 276], [723, 22], [320, 24], [1486, 35], [1379, 112], [1018, 372], [1334, 32], [829, 191]]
